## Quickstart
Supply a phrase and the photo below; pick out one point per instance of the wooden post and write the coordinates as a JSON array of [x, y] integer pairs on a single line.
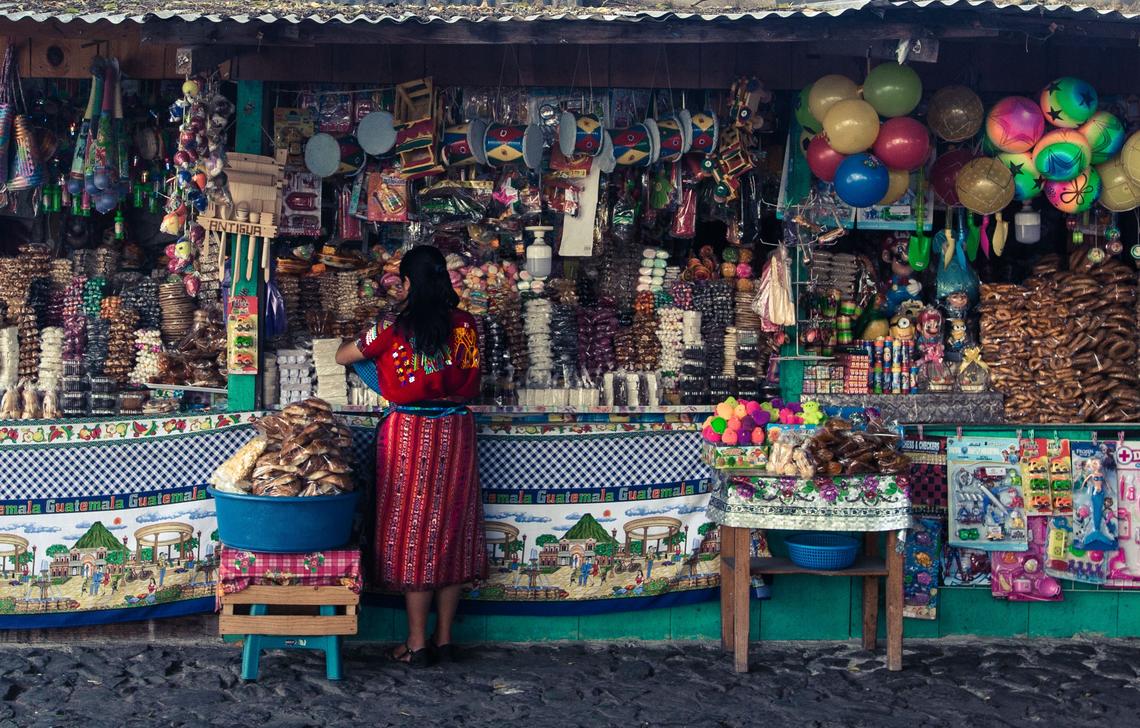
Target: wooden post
[[870, 596], [894, 603], [242, 388], [727, 556], [741, 577]]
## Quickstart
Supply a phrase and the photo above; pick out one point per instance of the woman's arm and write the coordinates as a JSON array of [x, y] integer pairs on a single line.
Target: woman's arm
[[349, 353]]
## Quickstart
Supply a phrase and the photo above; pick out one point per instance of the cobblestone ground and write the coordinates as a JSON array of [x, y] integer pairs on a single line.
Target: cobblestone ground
[[975, 684]]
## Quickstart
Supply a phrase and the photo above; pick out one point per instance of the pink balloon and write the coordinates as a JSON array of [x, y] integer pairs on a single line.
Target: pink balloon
[[822, 159], [944, 173], [903, 143]]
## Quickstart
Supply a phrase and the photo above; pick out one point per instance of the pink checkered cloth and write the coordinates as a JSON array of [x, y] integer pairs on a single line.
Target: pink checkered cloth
[[240, 569]]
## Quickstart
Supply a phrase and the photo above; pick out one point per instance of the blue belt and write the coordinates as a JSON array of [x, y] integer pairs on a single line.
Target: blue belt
[[430, 411]]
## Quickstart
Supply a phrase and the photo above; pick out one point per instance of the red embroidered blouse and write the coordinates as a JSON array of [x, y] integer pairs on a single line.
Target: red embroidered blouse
[[406, 377]]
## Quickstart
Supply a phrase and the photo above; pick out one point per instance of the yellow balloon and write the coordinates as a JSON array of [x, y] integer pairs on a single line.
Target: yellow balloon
[[897, 187], [852, 126], [828, 91], [1130, 157], [1118, 193]]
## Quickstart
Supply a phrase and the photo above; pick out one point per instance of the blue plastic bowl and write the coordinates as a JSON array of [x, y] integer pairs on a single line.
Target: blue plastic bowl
[[284, 525], [822, 550]]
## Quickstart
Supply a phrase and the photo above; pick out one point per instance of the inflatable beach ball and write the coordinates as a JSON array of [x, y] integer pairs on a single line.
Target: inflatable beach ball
[[862, 180], [984, 185], [1015, 124], [1068, 102], [1027, 181], [1075, 195], [1062, 154], [1117, 191], [1105, 134]]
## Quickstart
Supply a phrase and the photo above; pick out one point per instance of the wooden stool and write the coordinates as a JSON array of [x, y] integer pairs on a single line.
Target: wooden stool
[[288, 630], [737, 568]]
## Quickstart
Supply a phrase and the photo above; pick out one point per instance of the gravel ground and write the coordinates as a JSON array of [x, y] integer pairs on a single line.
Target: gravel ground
[[974, 683]]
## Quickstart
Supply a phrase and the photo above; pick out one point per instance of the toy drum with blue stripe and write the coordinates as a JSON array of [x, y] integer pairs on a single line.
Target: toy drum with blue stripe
[[580, 134], [633, 146], [506, 144], [457, 150], [705, 132]]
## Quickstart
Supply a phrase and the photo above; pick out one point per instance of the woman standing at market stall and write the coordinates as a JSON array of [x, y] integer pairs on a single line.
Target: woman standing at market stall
[[429, 516]]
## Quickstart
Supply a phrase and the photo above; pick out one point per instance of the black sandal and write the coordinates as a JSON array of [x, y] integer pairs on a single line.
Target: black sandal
[[445, 653], [416, 659]]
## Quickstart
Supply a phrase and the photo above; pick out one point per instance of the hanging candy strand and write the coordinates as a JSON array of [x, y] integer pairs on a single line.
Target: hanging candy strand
[[7, 110]]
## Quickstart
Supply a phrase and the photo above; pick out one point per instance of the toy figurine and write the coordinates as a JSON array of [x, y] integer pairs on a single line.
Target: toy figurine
[[1091, 533], [903, 287], [958, 336], [929, 334]]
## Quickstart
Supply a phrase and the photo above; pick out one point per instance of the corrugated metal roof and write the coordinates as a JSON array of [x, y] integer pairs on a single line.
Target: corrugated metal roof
[[372, 12]]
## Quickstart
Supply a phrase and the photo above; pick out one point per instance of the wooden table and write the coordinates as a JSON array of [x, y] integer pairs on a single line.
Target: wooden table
[[744, 500], [736, 581]]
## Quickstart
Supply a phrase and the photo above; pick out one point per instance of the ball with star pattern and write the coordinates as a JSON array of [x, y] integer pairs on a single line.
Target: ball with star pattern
[[1062, 154], [1027, 181], [1106, 135], [1068, 102], [1015, 124], [1075, 195]]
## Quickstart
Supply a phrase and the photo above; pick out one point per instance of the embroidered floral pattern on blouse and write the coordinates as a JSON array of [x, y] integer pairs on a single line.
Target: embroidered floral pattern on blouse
[[466, 347]]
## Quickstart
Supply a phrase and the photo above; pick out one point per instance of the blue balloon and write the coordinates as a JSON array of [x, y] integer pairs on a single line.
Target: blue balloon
[[862, 180]]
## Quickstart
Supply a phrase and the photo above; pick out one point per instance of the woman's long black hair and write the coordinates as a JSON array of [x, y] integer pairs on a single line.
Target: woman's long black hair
[[426, 315]]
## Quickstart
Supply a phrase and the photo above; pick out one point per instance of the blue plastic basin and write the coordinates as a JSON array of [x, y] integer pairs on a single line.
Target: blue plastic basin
[[284, 525]]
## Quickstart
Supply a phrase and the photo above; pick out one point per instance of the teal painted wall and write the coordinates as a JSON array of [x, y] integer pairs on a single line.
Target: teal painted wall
[[963, 611]]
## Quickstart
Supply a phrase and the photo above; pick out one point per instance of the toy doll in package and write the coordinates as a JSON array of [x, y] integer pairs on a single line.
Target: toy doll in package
[[987, 504], [1124, 566], [1080, 545]]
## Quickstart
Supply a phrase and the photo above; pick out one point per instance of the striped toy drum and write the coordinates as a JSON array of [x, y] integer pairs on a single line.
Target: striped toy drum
[[672, 137], [506, 144], [325, 155], [580, 134], [705, 132], [633, 146], [457, 150]]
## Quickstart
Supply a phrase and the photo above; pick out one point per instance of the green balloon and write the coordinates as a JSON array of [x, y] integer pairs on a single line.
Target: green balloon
[[893, 89], [803, 112]]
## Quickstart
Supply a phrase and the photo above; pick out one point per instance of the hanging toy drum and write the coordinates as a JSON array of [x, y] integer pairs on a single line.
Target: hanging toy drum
[[672, 136], [507, 144], [633, 146], [457, 150], [325, 155], [705, 132], [580, 134]]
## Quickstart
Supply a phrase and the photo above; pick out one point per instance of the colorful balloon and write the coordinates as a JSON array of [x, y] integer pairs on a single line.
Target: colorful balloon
[[862, 180], [827, 92], [1118, 193], [803, 112], [897, 186], [944, 173], [892, 89], [1130, 157], [1068, 102], [1105, 134], [1075, 195], [822, 159], [852, 126], [1027, 181], [1062, 154], [955, 113], [984, 185], [1015, 124], [903, 143]]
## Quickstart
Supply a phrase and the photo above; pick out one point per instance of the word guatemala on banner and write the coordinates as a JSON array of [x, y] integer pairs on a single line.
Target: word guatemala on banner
[[45, 506]]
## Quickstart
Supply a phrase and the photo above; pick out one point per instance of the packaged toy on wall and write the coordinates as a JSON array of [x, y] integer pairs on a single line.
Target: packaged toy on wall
[[965, 567], [922, 567], [1124, 566], [1080, 545], [987, 505], [1035, 476], [1020, 576]]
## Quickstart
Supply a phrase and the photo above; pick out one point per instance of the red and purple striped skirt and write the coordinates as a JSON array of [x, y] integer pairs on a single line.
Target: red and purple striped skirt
[[429, 511]]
